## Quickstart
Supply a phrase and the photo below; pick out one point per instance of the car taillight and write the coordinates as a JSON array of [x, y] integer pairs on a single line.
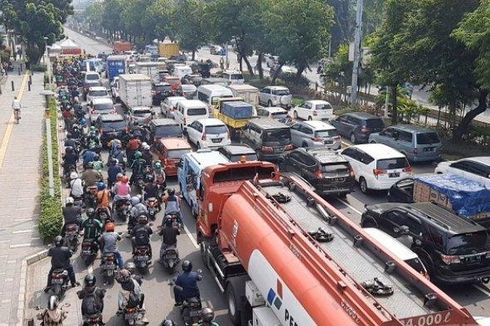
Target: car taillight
[[448, 260], [351, 172], [315, 113], [267, 149], [378, 172], [288, 147], [408, 169], [318, 173]]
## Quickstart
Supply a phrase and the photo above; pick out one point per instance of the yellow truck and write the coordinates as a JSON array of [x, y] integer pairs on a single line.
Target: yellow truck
[[234, 112], [168, 48]]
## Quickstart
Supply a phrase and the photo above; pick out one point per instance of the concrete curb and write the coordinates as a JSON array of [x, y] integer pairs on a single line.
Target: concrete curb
[[23, 283]]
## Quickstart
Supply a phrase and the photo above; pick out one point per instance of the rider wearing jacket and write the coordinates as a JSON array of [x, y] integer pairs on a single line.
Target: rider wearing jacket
[[90, 177], [141, 234], [186, 284], [60, 259], [92, 297], [137, 167], [108, 243], [92, 228], [71, 214], [113, 171]]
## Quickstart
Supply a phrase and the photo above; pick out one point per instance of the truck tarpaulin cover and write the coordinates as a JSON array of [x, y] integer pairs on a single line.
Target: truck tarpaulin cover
[[237, 110], [467, 197]]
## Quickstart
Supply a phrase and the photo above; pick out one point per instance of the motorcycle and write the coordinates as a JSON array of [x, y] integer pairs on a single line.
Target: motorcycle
[[91, 197], [17, 116], [122, 209], [128, 307], [71, 237], [53, 317], [176, 220], [141, 258], [152, 207], [191, 311], [108, 265], [103, 216], [89, 251], [66, 174], [93, 319], [59, 282], [169, 258]]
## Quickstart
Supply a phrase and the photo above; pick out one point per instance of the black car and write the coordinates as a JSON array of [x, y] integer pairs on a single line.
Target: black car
[[453, 249], [160, 91], [235, 152], [326, 170], [111, 126], [357, 126], [401, 192]]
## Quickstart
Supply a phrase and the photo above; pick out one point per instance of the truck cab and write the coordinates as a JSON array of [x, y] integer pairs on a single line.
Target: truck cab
[[189, 172]]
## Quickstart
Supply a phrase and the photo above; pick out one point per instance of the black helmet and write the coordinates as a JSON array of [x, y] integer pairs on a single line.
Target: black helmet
[[186, 266], [53, 302], [90, 212], [168, 322], [168, 221], [171, 191], [207, 314], [89, 281], [150, 178], [96, 157], [68, 149], [58, 241], [142, 219]]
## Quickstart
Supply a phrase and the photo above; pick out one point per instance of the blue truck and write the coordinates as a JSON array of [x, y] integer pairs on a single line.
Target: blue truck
[[116, 65]]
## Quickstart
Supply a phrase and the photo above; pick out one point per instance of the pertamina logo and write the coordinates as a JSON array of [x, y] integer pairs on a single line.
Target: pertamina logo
[[275, 298]]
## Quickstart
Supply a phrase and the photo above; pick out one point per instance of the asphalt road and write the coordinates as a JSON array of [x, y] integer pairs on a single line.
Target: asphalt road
[[476, 298]]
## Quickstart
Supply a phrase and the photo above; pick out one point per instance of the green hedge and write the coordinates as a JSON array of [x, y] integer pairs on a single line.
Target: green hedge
[[51, 217]]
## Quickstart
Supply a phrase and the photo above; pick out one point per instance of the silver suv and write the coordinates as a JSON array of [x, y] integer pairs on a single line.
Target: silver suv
[[315, 134], [275, 96]]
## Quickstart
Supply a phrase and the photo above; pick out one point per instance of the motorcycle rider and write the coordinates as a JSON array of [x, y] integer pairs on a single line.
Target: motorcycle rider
[[92, 228], [108, 243], [60, 259], [141, 234], [70, 160], [103, 198], [133, 145], [90, 177], [151, 189], [71, 214], [146, 153], [121, 189], [137, 209], [172, 205], [119, 155], [92, 297], [186, 284], [137, 167], [136, 297], [76, 186], [53, 315], [97, 163], [159, 175], [169, 235], [89, 156], [113, 171]]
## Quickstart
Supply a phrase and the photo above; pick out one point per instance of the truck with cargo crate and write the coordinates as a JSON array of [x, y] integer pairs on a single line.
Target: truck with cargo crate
[[234, 113], [135, 90]]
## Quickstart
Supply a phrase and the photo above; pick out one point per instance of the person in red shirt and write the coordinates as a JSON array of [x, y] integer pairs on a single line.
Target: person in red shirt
[[133, 145]]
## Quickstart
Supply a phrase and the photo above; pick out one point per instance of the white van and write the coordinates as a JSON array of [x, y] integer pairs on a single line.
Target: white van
[[182, 70], [233, 76], [188, 111], [398, 249], [210, 94]]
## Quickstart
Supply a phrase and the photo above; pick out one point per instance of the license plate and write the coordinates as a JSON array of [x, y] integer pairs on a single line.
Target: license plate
[[140, 258], [217, 140], [58, 281], [472, 260], [86, 252], [328, 141], [171, 256], [394, 175], [130, 316]]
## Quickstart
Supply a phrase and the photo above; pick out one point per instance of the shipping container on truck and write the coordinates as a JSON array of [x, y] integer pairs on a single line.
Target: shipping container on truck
[[116, 65], [135, 90], [248, 92], [150, 68], [273, 244], [168, 49]]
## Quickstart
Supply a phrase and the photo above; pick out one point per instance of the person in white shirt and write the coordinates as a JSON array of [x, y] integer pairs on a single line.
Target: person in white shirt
[[16, 104]]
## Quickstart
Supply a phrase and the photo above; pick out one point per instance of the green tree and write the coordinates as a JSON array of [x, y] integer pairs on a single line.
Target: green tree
[[111, 16], [298, 31]]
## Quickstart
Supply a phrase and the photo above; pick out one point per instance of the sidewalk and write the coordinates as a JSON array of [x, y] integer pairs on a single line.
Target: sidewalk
[[20, 164]]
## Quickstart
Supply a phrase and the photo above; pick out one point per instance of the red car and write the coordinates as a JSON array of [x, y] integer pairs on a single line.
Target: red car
[[169, 151]]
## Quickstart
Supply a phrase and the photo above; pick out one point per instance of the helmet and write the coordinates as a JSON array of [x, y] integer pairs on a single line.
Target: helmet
[[150, 178], [100, 185], [142, 219], [169, 221], [96, 157], [109, 227], [168, 322], [123, 276], [157, 165], [145, 146], [119, 176], [137, 155], [68, 149], [125, 179], [90, 165], [75, 99], [90, 212], [186, 266], [171, 191], [114, 161], [135, 200], [58, 241], [73, 175], [207, 314], [69, 201], [53, 302], [89, 280], [130, 266], [92, 128]]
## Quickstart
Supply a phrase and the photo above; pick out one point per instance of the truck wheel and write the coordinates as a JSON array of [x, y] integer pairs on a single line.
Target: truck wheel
[[310, 118], [233, 311], [363, 185]]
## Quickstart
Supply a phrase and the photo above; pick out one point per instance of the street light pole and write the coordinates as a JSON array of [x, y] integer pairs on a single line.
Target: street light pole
[[357, 51]]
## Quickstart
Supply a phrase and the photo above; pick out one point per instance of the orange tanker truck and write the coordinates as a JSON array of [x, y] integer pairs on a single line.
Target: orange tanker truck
[[284, 256]]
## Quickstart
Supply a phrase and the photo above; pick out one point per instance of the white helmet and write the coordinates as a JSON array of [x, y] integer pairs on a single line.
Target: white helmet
[[145, 146], [69, 201], [73, 175]]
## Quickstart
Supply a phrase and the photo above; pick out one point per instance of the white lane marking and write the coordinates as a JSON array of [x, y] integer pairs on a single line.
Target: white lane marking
[[22, 231], [189, 234], [482, 289], [350, 206]]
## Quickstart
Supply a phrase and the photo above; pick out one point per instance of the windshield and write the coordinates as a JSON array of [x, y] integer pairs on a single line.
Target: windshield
[[197, 111], [247, 173], [427, 138], [468, 242], [281, 92], [277, 135], [113, 125], [103, 107], [375, 124], [168, 131], [163, 88], [326, 106], [92, 77], [236, 76], [215, 130], [336, 169], [177, 153], [173, 81], [97, 93], [279, 115], [248, 157], [326, 133], [392, 163], [142, 112]]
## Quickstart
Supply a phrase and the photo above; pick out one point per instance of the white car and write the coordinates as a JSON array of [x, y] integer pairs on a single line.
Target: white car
[[168, 106], [97, 92], [272, 112], [473, 168], [377, 166], [275, 96], [315, 134], [205, 133], [314, 110], [100, 106]]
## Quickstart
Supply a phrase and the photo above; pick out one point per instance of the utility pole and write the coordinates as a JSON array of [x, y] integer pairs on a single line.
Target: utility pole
[[357, 51]]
